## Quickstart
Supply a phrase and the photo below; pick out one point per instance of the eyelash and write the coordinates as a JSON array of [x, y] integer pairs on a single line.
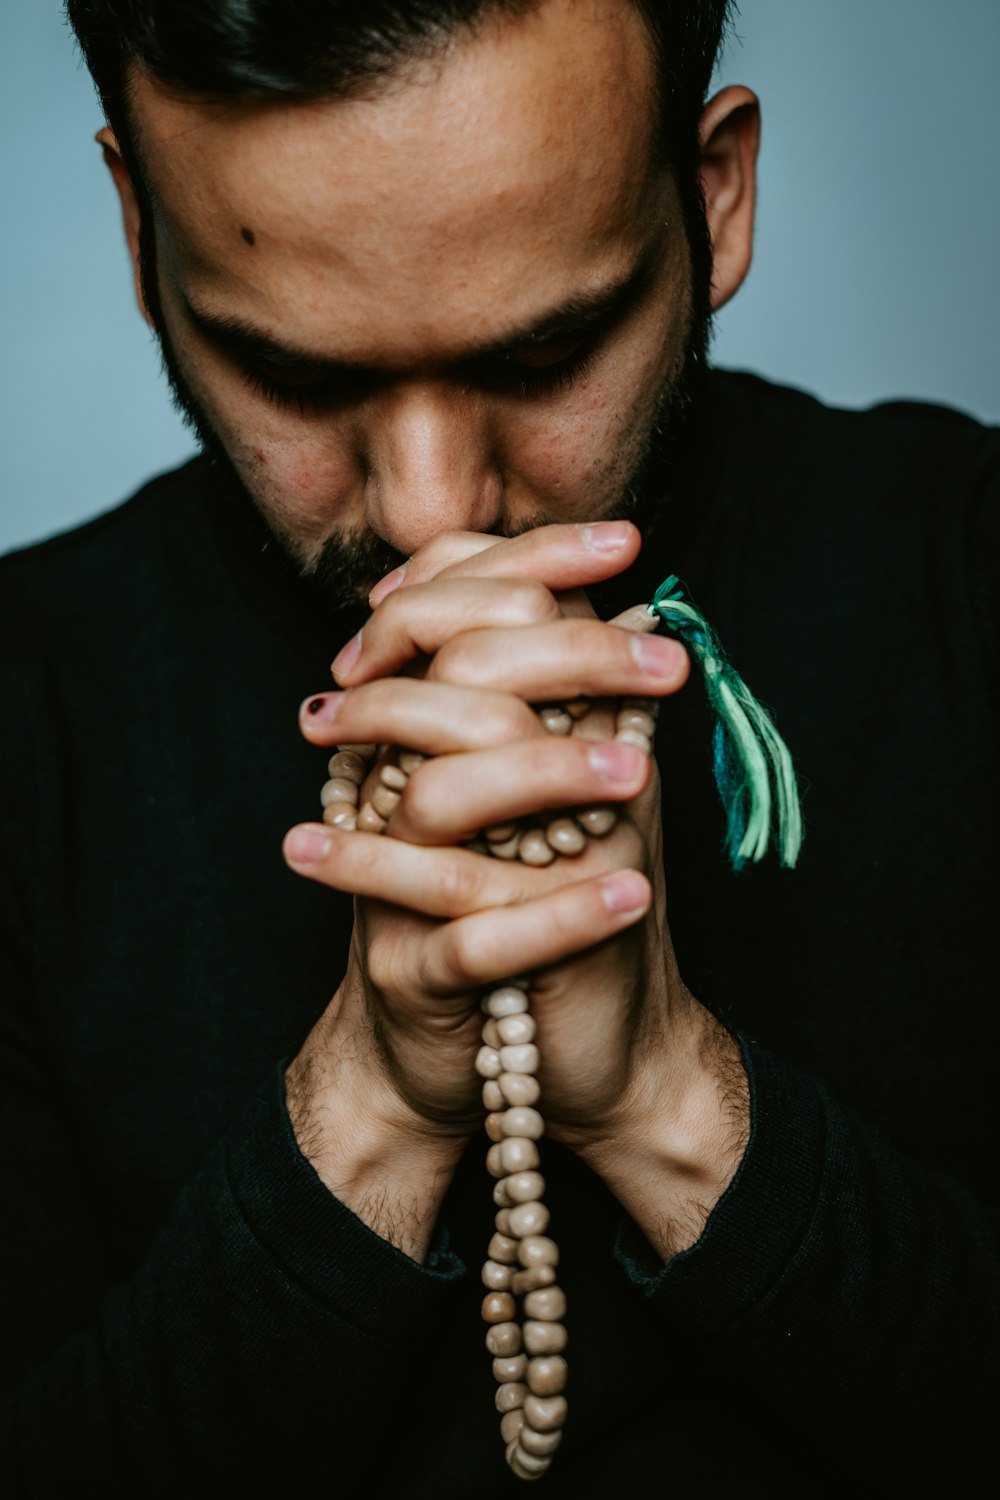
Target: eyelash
[[524, 381]]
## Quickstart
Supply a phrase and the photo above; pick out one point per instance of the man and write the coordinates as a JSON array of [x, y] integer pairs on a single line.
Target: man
[[433, 285]]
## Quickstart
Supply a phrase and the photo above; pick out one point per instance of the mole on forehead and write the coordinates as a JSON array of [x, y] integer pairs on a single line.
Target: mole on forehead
[[248, 235]]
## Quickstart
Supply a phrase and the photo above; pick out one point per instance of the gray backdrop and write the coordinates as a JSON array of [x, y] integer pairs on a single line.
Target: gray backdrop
[[877, 271]]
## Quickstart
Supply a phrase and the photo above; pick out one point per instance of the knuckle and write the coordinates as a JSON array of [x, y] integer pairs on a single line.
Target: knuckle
[[459, 883], [505, 719], [463, 953], [533, 602], [454, 662], [419, 800]]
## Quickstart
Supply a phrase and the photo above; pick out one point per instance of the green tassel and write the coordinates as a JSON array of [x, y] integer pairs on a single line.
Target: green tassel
[[752, 765]]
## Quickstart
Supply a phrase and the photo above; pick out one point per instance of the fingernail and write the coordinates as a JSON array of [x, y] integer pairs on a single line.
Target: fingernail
[[625, 891], [323, 708], [616, 762], [387, 585], [346, 659], [307, 845], [657, 657], [606, 536]]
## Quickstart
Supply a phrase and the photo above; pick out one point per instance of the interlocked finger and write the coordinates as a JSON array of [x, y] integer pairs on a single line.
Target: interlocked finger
[[477, 950], [442, 882], [452, 798], [435, 718], [418, 620], [563, 659]]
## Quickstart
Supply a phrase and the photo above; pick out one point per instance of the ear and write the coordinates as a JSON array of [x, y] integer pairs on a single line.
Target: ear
[[131, 212], [730, 138]]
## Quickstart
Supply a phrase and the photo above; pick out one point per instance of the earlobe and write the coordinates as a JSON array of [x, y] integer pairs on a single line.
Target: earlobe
[[131, 212], [730, 138]]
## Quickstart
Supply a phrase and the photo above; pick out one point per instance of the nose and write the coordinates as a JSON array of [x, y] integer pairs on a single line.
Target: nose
[[430, 464]]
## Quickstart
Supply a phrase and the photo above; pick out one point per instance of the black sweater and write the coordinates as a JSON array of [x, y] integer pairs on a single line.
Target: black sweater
[[187, 1310]]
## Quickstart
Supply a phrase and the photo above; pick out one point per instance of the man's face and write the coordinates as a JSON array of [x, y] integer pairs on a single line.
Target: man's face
[[457, 302]]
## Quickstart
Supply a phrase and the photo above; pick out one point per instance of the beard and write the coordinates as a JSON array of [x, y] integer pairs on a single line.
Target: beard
[[349, 564]]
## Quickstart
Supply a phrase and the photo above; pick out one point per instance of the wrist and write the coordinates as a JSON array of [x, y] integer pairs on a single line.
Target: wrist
[[385, 1164], [676, 1143]]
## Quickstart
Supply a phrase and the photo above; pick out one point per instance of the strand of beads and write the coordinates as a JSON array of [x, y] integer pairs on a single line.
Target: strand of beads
[[528, 1354], [528, 1361]]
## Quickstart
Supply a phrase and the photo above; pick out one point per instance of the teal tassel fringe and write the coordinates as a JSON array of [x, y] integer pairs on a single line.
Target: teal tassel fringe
[[753, 769]]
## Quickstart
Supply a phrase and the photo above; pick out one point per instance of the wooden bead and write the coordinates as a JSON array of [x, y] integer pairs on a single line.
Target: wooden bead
[[530, 1281], [410, 761], [511, 1368], [493, 1125], [369, 820], [512, 1031], [341, 815], [493, 1098], [526, 1465], [506, 1001], [556, 720], [566, 836], [597, 820], [508, 849], [525, 1187], [545, 1306], [384, 801], [544, 1413], [636, 718], [494, 1162], [500, 833], [533, 848], [348, 765], [510, 1395], [543, 1338], [338, 789], [503, 1248], [539, 1443], [528, 1219], [366, 752], [521, 1059], [521, 1121], [500, 1307], [491, 1034], [650, 706], [512, 1424], [519, 1088], [633, 737], [538, 1250], [488, 1063], [497, 1277], [546, 1375], [394, 777], [504, 1339], [518, 1154], [502, 1221], [501, 1193]]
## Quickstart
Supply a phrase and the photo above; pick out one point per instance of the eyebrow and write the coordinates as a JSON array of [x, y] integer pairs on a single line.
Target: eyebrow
[[578, 313]]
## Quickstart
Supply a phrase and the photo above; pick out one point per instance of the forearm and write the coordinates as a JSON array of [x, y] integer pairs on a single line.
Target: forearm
[[389, 1170], [681, 1138]]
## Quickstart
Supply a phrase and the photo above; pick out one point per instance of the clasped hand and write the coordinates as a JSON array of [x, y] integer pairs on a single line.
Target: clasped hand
[[477, 630]]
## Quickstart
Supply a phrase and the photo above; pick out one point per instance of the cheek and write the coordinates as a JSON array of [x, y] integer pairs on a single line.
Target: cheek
[[580, 456]]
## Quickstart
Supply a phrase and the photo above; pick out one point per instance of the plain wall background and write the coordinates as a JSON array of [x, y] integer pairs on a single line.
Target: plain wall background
[[876, 271]]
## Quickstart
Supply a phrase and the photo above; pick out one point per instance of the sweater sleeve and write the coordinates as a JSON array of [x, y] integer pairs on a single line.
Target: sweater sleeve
[[851, 1290], [262, 1335]]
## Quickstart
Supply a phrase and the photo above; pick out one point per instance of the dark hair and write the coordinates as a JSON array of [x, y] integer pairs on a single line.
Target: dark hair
[[309, 48]]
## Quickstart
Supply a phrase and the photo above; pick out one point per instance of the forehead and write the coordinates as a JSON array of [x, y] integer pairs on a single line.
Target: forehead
[[483, 182]]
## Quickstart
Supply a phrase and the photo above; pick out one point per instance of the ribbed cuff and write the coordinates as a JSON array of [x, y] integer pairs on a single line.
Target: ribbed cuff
[[760, 1222], [330, 1254]]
